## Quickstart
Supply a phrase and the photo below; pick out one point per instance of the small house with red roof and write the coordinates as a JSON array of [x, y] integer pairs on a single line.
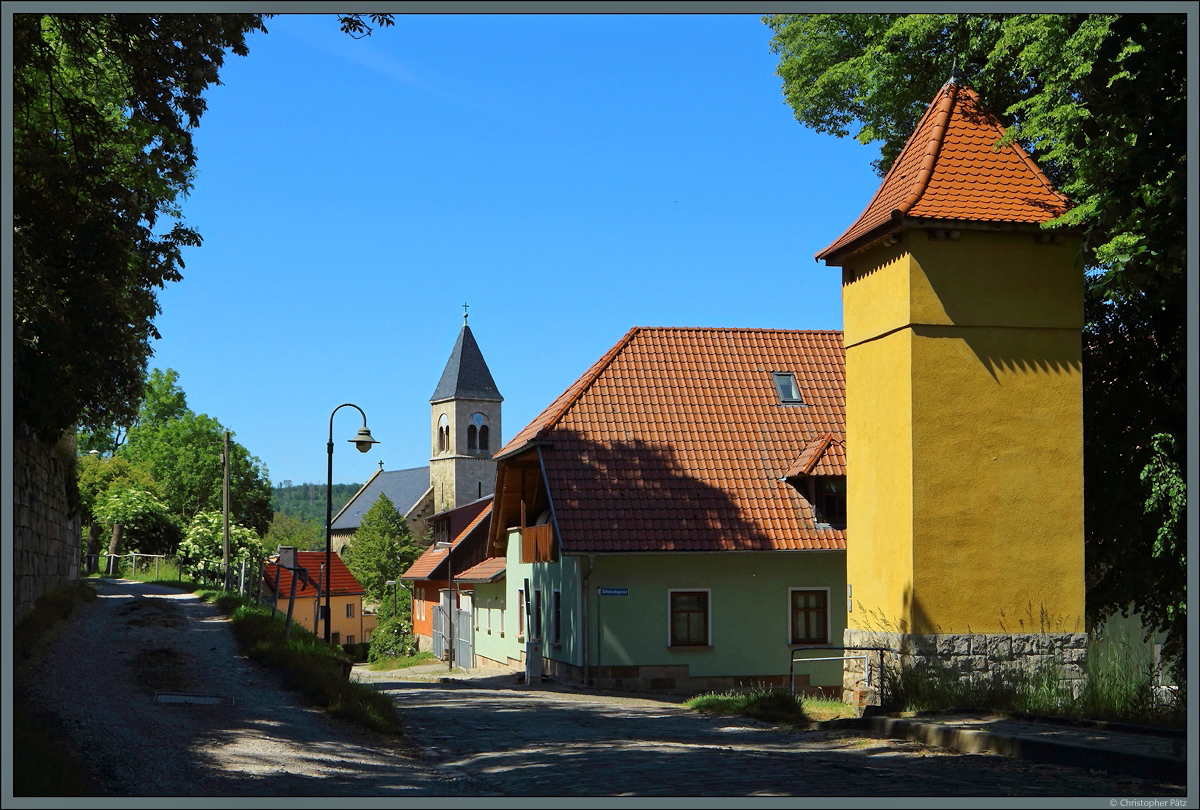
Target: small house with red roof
[[675, 519], [441, 600], [349, 624]]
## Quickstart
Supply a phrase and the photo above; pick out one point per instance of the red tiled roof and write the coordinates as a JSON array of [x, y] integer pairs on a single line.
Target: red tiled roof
[[487, 571], [341, 583], [824, 455], [676, 440], [950, 170], [428, 562]]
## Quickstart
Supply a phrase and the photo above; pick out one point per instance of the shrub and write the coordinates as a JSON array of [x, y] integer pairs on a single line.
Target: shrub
[[393, 638], [760, 703]]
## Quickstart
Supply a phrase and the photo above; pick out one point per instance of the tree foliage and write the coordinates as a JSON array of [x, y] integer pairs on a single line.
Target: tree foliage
[[103, 111], [381, 549], [286, 530], [182, 450], [1099, 100], [148, 526], [103, 105], [204, 541]]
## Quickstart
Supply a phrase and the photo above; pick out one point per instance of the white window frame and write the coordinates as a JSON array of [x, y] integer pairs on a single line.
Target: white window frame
[[828, 615], [708, 624]]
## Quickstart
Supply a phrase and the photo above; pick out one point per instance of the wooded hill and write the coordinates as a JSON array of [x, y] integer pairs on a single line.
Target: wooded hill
[[307, 501]]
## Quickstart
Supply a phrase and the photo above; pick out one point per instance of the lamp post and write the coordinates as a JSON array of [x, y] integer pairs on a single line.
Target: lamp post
[[363, 442]]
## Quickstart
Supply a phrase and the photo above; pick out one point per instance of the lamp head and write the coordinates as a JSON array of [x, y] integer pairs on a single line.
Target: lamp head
[[363, 440]]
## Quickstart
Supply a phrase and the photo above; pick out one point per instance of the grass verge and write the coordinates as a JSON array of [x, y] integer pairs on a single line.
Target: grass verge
[[1121, 694], [771, 705], [401, 662], [306, 663]]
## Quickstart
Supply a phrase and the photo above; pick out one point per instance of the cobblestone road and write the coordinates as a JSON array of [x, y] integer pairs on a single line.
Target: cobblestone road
[[512, 741]]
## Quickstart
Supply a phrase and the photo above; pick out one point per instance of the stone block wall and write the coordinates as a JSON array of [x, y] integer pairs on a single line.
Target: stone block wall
[[45, 520], [967, 655]]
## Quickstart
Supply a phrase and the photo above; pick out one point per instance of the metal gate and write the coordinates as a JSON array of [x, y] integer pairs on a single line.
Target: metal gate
[[463, 652]]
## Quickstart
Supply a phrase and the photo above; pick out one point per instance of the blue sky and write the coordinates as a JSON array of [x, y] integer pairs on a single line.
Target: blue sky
[[568, 177]]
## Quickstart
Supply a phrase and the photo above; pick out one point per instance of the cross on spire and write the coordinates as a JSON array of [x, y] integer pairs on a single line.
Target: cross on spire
[[464, 313]]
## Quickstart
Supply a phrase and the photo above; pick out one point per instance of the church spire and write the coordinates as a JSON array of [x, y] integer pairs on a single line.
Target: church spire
[[466, 375]]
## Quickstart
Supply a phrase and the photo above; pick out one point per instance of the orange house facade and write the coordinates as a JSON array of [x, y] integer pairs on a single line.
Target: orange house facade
[[349, 624]]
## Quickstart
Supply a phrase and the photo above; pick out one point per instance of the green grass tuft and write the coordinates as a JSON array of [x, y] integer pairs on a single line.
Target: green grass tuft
[[759, 703]]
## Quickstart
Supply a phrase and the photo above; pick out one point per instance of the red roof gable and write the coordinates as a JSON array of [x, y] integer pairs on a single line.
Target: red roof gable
[[429, 561], [676, 439], [489, 570], [342, 582], [825, 455], [950, 170]]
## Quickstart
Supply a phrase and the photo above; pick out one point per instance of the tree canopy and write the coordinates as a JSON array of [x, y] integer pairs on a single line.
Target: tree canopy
[[103, 110], [182, 451], [1099, 101], [381, 549]]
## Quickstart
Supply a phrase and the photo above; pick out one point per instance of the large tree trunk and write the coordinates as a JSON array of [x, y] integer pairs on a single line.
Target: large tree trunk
[[93, 548], [114, 547]]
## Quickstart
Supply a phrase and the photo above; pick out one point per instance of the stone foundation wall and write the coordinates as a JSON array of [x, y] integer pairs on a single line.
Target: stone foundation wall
[[968, 655], [45, 520]]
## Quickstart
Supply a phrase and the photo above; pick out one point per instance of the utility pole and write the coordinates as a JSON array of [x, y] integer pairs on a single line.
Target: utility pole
[[225, 512]]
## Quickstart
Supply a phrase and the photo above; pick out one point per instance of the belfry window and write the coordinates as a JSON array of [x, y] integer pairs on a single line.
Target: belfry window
[[443, 434], [477, 434]]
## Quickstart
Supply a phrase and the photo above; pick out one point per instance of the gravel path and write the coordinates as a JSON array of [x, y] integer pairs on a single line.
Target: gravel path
[[100, 677]]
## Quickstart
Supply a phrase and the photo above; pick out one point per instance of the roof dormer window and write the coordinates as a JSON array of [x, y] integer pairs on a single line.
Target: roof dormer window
[[787, 388]]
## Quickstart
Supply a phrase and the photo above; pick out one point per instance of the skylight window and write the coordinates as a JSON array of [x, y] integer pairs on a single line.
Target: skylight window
[[786, 387]]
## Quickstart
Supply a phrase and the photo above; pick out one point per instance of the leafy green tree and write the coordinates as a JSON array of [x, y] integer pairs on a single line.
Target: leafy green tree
[[382, 549], [285, 530], [103, 111], [204, 541], [99, 477], [145, 522], [182, 450], [1099, 100]]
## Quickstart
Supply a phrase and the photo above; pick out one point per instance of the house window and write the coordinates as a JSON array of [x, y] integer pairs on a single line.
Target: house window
[[809, 616], [787, 388], [831, 499], [337, 638], [349, 639], [520, 612], [690, 618], [536, 630], [556, 616], [349, 610]]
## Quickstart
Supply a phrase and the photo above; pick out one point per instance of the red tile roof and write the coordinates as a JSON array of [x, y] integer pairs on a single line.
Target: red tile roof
[[489, 570], [342, 582], [824, 455], [950, 170], [427, 564], [676, 439]]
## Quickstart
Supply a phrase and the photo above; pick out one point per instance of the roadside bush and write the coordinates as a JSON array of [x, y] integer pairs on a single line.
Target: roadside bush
[[393, 638]]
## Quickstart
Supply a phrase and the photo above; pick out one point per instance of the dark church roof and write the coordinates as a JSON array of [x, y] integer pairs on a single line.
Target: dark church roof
[[466, 375], [403, 488]]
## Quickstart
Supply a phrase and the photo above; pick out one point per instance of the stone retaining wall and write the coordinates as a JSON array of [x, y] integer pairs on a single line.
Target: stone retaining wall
[[45, 519], [968, 655]]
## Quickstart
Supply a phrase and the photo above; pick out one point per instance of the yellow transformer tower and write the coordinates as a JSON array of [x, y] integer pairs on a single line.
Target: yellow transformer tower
[[964, 427]]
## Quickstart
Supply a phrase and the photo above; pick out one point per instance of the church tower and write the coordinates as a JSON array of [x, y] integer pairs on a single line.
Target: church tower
[[464, 427]]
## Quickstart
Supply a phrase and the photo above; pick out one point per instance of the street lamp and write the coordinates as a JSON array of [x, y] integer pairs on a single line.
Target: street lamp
[[392, 584], [363, 441]]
